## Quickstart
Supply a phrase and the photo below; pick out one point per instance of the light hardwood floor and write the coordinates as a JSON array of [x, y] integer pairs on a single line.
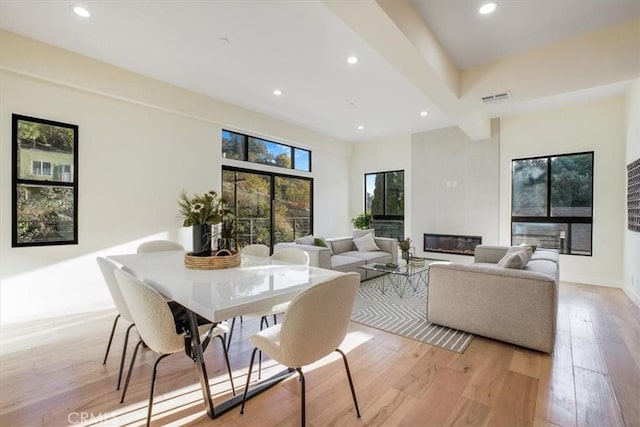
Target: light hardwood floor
[[51, 374]]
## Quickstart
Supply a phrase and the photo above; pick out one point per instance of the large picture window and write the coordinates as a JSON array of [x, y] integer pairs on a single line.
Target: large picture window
[[45, 182], [552, 202], [269, 208], [384, 200], [237, 146]]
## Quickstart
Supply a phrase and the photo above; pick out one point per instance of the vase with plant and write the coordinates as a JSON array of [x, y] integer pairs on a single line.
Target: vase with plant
[[201, 212], [405, 246], [362, 221]]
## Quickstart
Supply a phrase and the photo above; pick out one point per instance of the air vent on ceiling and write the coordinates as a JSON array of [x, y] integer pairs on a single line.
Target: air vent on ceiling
[[498, 97]]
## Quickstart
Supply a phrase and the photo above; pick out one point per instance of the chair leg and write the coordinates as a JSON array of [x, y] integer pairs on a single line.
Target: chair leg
[[302, 398], [124, 354], [153, 386], [246, 387], [353, 390], [226, 359], [233, 324], [133, 362], [113, 330]]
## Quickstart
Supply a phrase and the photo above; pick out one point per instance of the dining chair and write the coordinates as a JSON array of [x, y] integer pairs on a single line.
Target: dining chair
[[256, 249], [156, 327], [291, 256], [107, 268], [298, 341], [287, 256], [159, 246]]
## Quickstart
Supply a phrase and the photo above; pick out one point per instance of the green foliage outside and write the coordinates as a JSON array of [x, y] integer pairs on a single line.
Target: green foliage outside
[[54, 136], [44, 214]]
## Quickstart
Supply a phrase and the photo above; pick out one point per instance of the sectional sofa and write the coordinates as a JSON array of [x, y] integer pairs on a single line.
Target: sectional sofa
[[341, 254], [512, 298]]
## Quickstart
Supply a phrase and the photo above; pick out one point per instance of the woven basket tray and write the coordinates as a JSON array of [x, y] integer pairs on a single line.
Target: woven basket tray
[[215, 262]]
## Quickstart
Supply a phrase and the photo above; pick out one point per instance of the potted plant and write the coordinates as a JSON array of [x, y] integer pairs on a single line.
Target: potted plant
[[362, 221], [405, 246], [200, 212]]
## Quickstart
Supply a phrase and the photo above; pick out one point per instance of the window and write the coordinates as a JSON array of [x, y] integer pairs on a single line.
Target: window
[[552, 202], [44, 177], [40, 168], [384, 199], [269, 208], [237, 146]]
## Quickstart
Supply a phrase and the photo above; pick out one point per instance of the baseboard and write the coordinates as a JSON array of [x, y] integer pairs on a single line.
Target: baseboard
[[590, 280], [633, 296]]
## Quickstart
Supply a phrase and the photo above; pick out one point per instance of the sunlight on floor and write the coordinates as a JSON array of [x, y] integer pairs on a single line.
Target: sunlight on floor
[[184, 405]]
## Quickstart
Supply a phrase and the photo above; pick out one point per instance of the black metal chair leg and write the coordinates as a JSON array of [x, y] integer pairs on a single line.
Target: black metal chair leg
[[233, 324], [133, 362], [302, 398], [113, 330], [353, 390], [153, 386], [124, 355], [246, 387], [226, 359]]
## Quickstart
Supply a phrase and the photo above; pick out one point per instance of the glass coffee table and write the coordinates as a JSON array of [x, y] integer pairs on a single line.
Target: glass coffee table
[[401, 278]]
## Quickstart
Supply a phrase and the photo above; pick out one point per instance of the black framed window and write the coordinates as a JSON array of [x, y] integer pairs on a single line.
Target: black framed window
[[384, 200], [237, 146], [269, 208], [552, 202], [45, 182]]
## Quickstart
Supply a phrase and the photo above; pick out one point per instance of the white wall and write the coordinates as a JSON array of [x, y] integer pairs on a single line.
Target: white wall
[[388, 154], [140, 143], [632, 239], [455, 183], [595, 126]]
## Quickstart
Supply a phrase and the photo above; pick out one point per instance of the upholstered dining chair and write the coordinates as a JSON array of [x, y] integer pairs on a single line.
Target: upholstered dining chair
[[298, 341], [256, 249], [159, 246], [287, 256], [156, 327], [107, 268], [291, 256]]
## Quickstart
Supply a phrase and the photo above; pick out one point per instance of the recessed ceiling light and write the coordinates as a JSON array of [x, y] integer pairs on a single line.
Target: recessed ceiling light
[[423, 113], [277, 92], [81, 11], [487, 8], [360, 127], [352, 60]]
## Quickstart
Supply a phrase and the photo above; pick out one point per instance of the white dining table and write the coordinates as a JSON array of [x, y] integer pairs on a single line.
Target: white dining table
[[256, 285]]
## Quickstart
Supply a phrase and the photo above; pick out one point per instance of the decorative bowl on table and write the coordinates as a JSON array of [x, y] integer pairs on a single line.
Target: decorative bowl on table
[[221, 259]]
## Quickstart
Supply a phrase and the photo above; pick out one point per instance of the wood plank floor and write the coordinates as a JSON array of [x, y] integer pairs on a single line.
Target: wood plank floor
[[51, 374]]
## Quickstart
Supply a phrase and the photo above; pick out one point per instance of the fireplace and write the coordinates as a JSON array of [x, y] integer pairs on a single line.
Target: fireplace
[[451, 243]]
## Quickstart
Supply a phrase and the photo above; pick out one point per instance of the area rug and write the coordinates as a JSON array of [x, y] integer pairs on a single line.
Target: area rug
[[404, 316]]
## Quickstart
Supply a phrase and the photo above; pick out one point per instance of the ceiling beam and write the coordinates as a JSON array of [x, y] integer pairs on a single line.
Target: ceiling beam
[[394, 29]]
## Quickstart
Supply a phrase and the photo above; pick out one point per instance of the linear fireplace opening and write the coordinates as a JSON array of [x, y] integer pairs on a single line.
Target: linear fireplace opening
[[451, 243]]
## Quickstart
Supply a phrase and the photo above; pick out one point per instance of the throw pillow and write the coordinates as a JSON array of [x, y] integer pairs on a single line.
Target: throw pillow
[[366, 243], [533, 247], [306, 240], [359, 233], [515, 260], [320, 241], [526, 250]]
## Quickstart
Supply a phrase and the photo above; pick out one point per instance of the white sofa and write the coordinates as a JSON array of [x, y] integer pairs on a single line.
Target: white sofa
[[517, 304], [342, 255]]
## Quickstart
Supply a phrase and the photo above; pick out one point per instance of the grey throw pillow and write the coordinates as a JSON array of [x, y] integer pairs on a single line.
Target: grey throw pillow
[[306, 240], [515, 260], [359, 233]]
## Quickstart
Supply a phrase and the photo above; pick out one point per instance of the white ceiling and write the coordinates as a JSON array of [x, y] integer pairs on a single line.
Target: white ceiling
[[301, 47]]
